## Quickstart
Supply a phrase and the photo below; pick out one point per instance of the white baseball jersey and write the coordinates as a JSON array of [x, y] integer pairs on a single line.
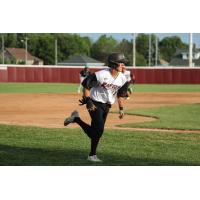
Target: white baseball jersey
[[127, 74], [108, 86]]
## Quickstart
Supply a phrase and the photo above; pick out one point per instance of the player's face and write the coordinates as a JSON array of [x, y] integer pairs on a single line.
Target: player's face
[[120, 67]]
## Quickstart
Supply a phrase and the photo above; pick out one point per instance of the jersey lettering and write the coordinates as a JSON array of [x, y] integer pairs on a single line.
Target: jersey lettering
[[112, 87]]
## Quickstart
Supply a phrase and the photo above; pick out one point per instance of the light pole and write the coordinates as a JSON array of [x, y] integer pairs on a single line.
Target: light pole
[[3, 49], [190, 50], [156, 53], [134, 52], [26, 47], [56, 52], [149, 50]]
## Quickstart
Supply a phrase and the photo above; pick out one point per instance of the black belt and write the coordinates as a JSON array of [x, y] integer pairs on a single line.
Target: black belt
[[106, 104]]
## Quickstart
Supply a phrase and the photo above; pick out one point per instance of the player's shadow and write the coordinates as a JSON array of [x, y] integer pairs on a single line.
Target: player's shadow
[[23, 156]]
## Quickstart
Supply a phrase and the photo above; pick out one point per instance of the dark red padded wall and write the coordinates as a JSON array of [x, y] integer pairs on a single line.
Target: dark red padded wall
[[12, 75], [3, 75], [38, 75], [57, 74], [20, 74], [30, 75], [47, 74]]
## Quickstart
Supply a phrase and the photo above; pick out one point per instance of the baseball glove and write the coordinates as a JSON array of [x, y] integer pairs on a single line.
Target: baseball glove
[[89, 104], [83, 101]]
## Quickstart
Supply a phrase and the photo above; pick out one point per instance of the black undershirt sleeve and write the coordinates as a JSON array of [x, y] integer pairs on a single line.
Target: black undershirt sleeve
[[90, 81], [123, 90]]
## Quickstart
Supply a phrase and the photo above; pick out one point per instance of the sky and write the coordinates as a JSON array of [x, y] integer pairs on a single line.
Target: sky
[[119, 36]]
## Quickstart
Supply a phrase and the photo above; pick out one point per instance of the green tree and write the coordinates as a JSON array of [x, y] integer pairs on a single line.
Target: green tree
[[140, 60], [10, 40], [72, 44], [89, 44], [7, 61], [42, 45], [126, 47], [44, 48], [33, 40], [21, 40], [103, 47], [169, 45], [142, 46]]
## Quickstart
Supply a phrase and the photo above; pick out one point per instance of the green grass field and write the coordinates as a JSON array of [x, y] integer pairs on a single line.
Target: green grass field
[[37, 87], [31, 146], [64, 87], [185, 117]]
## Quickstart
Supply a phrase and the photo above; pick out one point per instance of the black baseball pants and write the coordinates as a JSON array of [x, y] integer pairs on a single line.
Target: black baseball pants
[[96, 129]]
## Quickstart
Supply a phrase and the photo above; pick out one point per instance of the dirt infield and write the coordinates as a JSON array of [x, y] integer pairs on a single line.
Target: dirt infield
[[49, 110]]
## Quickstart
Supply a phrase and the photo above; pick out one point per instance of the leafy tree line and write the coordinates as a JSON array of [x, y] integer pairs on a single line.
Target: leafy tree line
[[42, 45]]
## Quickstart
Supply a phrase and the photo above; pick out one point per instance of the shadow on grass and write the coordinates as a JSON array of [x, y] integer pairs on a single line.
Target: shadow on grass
[[22, 156]]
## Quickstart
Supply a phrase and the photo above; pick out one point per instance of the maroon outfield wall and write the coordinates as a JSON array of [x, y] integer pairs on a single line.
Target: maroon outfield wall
[[64, 74]]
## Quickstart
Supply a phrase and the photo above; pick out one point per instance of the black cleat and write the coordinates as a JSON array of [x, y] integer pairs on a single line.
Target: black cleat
[[70, 119]]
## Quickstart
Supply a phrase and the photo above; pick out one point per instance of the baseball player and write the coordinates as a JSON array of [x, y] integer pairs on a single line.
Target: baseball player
[[82, 75], [101, 90]]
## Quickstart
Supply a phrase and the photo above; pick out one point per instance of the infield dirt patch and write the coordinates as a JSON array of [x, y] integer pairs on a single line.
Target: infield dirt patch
[[50, 110]]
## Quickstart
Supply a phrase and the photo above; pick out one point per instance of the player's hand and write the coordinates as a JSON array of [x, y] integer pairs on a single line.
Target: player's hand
[[90, 105], [121, 114], [83, 101]]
